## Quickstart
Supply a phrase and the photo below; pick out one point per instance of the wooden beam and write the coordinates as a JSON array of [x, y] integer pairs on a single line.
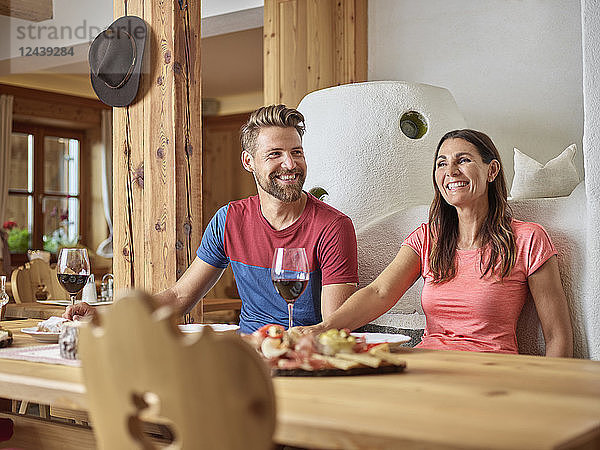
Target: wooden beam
[[157, 152], [32, 10], [311, 45]]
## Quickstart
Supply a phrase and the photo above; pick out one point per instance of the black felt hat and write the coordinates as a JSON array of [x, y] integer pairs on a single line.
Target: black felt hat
[[116, 60]]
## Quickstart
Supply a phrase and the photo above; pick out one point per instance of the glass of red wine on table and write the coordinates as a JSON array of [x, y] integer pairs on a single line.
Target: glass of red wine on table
[[73, 270], [290, 275]]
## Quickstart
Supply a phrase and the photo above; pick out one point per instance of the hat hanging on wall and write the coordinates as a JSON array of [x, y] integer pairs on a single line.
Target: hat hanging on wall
[[116, 60]]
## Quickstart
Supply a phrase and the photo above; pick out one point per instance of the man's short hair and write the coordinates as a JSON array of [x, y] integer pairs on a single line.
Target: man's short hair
[[269, 116]]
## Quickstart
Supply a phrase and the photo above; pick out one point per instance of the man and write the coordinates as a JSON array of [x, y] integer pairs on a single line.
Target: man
[[246, 232]]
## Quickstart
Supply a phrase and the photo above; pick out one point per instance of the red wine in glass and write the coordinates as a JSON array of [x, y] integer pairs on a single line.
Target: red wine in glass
[[290, 290], [290, 275], [72, 283], [73, 270]]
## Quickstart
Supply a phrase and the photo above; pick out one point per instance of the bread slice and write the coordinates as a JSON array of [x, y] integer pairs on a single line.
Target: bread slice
[[338, 363], [362, 358]]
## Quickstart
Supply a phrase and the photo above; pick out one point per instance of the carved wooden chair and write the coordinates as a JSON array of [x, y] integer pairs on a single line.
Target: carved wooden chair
[[212, 390], [32, 276]]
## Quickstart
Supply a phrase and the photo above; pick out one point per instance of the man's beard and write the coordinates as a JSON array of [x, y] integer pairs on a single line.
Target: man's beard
[[285, 193]]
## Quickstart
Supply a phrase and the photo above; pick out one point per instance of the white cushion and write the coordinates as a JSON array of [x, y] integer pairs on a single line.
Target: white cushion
[[557, 178]]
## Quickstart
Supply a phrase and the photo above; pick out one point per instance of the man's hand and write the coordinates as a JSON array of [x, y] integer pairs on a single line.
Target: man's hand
[[79, 311], [312, 330]]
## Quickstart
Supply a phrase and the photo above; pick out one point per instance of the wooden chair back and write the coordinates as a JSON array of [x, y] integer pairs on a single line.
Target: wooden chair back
[[26, 279], [212, 390]]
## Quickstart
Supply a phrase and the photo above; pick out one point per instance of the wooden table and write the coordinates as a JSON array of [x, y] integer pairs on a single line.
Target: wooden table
[[443, 400], [34, 310]]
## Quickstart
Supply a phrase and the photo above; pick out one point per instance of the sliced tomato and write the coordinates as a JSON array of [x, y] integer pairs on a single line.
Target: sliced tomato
[[270, 330]]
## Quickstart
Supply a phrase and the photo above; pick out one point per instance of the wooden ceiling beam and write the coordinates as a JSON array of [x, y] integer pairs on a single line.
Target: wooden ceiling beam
[[32, 10]]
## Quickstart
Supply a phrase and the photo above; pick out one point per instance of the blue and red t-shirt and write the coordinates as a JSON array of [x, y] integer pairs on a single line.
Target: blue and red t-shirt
[[239, 234]]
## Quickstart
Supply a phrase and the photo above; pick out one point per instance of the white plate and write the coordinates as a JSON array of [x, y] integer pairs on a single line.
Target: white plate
[[377, 338], [68, 302], [41, 336], [198, 327]]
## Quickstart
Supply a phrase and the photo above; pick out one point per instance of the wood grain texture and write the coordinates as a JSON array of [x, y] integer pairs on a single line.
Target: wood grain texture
[[186, 67], [56, 109], [34, 433], [163, 169], [32, 10], [33, 310], [443, 400], [159, 369], [311, 45], [224, 179], [159, 202], [26, 279]]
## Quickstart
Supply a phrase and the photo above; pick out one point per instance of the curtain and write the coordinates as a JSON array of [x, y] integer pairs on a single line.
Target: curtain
[[106, 246], [6, 111]]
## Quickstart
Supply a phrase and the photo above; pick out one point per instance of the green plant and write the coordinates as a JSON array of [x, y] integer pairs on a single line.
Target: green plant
[[58, 238], [18, 240]]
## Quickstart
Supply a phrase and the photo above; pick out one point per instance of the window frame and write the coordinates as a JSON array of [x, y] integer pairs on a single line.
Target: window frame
[[39, 132]]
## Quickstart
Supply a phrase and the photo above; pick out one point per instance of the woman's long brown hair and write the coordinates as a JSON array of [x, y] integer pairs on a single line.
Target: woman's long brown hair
[[496, 232]]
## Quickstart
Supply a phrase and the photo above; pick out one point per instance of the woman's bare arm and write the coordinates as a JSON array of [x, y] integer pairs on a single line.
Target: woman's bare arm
[[551, 304], [378, 297]]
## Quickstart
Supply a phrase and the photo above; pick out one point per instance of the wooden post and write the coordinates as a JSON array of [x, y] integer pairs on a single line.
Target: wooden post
[[312, 44], [157, 145]]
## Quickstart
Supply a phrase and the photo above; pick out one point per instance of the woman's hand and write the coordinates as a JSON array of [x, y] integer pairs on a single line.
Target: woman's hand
[[79, 311]]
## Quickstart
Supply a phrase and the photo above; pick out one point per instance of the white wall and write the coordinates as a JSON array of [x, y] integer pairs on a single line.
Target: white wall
[[591, 89], [514, 67]]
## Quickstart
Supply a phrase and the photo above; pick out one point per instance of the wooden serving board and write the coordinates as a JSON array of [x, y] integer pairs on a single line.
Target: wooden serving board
[[276, 372]]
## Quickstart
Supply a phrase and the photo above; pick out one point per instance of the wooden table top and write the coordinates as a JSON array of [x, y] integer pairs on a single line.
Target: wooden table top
[[443, 400], [34, 310]]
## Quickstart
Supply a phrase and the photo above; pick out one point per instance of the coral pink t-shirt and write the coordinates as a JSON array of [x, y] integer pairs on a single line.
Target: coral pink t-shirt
[[474, 313]]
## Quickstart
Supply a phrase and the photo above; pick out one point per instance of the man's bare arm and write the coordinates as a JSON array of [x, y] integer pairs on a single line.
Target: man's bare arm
[[197, 280], [333, 296]]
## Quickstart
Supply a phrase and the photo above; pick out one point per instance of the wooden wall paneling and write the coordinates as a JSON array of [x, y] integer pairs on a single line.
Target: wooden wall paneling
[[164, 173], [159, 152], [121, 235], [218, 188], [351, 41], [37, 108], [188, 138], [129, 239], [31, 105], [320, 55], [271, 77], [224, 179], [85, 197], [31, 10], [139, 122], [361, 48], [312, 44], [292, 53]]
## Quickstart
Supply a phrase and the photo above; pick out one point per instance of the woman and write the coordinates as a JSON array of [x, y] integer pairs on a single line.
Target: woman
[[478, 263]]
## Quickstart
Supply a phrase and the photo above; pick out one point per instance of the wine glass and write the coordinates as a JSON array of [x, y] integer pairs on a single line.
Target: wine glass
[[73, 270], [290, 275]]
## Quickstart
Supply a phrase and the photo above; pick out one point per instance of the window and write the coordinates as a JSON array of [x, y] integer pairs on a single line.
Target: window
[[44, 188]]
